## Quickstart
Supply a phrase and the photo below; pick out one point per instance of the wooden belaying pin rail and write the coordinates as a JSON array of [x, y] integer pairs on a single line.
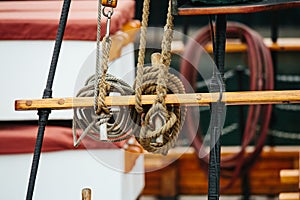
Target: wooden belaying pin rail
[[191, 99]]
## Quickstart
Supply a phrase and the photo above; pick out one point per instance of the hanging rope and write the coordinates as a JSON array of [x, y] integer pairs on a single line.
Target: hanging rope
[[141, 57], [157, 128], [117, 120], [103, 123], [98, 63]]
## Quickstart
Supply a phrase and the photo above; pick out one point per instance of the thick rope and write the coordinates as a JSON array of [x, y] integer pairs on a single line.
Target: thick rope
[[103, 123], [167, 38], [103, 85], [141, 57], [143, 126], [118, 119], [157, 81], [98, 61]]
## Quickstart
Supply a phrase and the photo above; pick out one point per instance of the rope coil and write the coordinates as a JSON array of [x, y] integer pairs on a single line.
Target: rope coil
[[117, 119], [160, 124], [157, 127], [174, 116], [104, 123]]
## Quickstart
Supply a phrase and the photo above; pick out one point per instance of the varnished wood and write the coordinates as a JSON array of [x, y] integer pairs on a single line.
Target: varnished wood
[[131, 28], [192, 179], [234, 46], [289, 196], [86, 194], [169, 181], [289, 175], [253, 6], [122, 38], [283, 44], [191, 99], [132, 151]]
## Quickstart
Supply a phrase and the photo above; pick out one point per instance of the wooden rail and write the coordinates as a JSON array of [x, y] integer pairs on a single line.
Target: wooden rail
[[289, 196], [191, 99], [251, 7], [290, 176], [234, 45], [122, 38]]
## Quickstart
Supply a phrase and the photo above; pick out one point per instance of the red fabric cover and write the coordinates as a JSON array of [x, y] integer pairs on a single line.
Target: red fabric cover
[[38, 20], [21, 139]]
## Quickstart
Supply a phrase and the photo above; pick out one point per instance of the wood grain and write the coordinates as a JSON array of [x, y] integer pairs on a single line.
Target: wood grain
[[235, 46], [191, 99], [289, 196], [86, 194], [238, 8], [289, 175], [122, 38]]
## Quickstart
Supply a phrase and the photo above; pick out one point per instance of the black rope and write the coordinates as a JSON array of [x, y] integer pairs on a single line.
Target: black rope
[[44, 113], [217, 109], [274, 54]]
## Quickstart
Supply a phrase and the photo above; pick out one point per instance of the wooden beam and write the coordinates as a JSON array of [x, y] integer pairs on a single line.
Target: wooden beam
[[289, 175], [235, 46], [283, 44], [86, 194], [122, 38], [191, 99], [238, 8], [289, 196]]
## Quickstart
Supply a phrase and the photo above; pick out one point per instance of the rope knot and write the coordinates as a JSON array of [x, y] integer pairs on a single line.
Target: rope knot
[[156, 131], [160, 98], [159, 129], [101, 106]]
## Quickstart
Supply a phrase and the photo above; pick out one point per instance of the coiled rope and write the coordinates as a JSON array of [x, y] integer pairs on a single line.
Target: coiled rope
[[103, 123], [261, 78], [156, 80], [118, 120]]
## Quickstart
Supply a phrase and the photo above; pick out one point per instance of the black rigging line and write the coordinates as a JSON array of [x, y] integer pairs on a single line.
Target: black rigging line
[[218, 108], [44, 113]]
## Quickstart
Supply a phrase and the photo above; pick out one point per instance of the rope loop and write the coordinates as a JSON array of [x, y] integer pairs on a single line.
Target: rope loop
[[103, 123], [157, 127]]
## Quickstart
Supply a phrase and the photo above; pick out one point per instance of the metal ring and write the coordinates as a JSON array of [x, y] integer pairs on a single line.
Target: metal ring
[[109, 13]]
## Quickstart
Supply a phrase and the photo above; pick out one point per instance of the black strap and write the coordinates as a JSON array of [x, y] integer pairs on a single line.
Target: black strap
[[217, 109], [44, 113]]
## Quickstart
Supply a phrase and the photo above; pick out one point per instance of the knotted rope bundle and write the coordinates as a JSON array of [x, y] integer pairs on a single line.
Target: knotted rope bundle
[[157, 128]]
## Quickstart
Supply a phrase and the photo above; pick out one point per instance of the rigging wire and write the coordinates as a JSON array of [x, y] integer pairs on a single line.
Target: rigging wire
[[44, 113]]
